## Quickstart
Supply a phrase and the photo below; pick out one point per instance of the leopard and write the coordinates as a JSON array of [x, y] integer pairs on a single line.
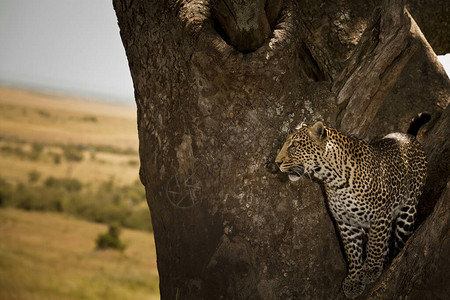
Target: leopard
[[371, 188]]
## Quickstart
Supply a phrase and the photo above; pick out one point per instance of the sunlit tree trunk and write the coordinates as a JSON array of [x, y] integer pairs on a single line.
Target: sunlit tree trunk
[[220, 84]]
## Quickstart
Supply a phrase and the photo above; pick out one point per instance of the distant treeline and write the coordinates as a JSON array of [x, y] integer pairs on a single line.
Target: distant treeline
[[105, 203]]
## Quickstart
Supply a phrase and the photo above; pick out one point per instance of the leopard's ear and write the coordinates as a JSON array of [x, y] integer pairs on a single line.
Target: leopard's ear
[[317, 132]]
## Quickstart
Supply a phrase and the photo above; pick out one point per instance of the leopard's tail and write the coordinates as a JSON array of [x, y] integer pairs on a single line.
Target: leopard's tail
[[418, 121]]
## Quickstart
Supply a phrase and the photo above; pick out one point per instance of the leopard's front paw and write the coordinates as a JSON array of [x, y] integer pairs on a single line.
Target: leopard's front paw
[[352, 288], [371, 273]]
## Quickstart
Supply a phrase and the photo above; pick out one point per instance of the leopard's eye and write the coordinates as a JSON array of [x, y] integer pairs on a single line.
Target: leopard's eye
[[295, 144]]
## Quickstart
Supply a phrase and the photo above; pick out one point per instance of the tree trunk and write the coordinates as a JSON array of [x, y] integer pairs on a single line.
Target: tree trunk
[[218, 87], [432, 17]]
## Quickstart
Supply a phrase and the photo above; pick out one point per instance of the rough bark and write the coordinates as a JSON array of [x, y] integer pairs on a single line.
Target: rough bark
[[430, 260], [247, 24], [371, 71], [211, 120], [433, 19]]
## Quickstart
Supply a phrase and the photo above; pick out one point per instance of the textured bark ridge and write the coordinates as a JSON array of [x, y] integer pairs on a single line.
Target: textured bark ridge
[[247, 24], [432, 17], [212, 114], [374, 67], [429, 280]]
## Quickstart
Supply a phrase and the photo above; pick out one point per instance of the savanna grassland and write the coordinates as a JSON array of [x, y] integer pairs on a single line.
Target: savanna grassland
[[64, 160], [89, 141], [52, 256]]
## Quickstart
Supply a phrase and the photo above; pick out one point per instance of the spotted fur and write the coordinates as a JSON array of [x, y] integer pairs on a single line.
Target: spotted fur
[[370, 188]]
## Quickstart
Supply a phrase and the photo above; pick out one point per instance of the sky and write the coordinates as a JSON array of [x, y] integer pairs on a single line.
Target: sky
[[67, 46]]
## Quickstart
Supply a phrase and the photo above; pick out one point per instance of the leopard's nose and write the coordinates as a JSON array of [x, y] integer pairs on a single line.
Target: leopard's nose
[[278, 161]]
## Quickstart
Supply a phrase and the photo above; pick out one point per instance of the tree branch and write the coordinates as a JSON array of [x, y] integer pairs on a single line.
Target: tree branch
[[432, 16], [373, 69]]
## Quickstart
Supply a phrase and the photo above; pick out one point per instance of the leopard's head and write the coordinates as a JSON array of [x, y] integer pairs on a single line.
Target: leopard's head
[[302, 151]]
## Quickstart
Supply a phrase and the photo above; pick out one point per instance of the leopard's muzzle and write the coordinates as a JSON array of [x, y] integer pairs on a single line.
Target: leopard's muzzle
[[296, 172]]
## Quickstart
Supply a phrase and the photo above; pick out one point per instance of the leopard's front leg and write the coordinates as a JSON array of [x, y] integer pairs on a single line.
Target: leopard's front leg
[[377, 247], [352, 239]]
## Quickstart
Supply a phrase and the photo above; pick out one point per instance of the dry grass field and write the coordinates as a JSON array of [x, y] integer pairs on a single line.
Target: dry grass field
[[51, 256], [49, 118], [78, 157], [106, 132]]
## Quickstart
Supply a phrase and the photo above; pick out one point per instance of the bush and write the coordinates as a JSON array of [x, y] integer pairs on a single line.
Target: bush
[[68, 184], [89, 118], [26, 198], [33, 176], [44, 113], [133, 162], [105, 203], [56, 158], [6, 192], [112, 149], [110, 239], [15, 150], [36, 151], [37, 198], [7, 149], [72, 153]]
